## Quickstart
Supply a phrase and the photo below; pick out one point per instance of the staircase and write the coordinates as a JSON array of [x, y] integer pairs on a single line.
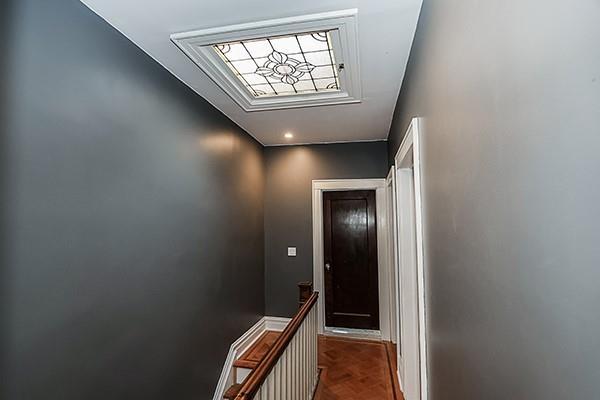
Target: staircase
[[249, 361]]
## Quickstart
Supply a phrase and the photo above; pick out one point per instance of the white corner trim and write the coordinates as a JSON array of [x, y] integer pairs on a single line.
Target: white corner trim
[[324, 185], [407, 163], [244, 342]]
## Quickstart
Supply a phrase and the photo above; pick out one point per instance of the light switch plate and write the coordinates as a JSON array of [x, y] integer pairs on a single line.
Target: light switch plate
[[291, 252]]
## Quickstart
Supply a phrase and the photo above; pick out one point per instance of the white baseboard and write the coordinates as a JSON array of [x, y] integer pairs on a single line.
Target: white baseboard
[[399, 380], [244, 342], [276, 323]]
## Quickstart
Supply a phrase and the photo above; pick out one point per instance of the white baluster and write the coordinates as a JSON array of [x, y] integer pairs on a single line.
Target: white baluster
[[273, 385], [306, 359], [310, 357], [293, 381], [265, 389], [316, 347], [288, 374], [282, 377], [301, 344], [300, 364], [303, 363], [298, 369], [291, 378], [310, 354], [272, 378], [278, 380]]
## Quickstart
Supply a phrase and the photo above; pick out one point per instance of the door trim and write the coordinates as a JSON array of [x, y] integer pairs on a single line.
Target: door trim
[[395, 305], [383, 268], [410, 264]]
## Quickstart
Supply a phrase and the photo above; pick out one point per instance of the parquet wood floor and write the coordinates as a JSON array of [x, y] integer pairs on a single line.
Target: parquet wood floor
[[354, 369]]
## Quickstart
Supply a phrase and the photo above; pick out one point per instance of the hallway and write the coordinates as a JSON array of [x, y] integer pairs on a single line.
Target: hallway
[[354, 369], [186, 199]]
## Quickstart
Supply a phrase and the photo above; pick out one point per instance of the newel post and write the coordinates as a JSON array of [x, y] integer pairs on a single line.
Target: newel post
[[305, 289]]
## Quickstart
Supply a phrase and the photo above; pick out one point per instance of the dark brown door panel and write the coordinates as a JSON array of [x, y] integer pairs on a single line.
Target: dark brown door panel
[[350, 241]]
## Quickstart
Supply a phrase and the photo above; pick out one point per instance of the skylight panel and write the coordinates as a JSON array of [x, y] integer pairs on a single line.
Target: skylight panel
[[295, 64], [298, 61]]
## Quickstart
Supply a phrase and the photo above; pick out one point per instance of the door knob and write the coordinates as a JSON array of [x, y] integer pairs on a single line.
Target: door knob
[[327, 266]]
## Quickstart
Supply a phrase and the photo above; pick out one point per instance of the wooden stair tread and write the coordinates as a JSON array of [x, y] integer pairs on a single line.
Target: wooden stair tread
[[257, 351], [232, 391]]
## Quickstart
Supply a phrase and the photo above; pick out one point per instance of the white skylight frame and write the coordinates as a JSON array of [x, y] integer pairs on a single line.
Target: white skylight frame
[[342, 28]]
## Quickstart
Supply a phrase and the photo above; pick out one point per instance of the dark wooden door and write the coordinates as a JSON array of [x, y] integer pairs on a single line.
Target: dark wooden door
[[350, 240]]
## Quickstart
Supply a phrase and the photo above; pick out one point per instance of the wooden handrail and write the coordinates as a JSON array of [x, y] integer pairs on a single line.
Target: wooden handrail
[[258, 376]]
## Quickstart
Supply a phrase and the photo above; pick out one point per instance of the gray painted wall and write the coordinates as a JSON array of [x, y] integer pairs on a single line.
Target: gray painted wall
[[129, 266], [510, 96], [288, 208], [5, 30]]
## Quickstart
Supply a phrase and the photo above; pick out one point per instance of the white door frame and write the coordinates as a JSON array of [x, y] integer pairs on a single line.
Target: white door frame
[[390, 193], [407, 164], [394, 276], [383, 268]]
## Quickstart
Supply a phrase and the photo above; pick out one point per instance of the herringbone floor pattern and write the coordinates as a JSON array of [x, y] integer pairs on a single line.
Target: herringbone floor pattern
[[354, 369]]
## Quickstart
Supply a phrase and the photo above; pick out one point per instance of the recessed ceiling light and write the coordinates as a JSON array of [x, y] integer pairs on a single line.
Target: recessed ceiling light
[[288, 135]]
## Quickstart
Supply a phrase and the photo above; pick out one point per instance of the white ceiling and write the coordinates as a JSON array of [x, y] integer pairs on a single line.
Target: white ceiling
[[386, 29]]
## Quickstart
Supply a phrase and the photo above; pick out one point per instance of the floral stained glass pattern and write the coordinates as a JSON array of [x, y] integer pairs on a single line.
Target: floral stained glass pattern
[[289, 65]]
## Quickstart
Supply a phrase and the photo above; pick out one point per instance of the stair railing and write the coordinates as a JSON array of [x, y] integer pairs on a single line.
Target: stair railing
[[289, 370]]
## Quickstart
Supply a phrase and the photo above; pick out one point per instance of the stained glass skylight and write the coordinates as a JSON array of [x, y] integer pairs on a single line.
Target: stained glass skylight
[[297, 61], [295, 64]]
